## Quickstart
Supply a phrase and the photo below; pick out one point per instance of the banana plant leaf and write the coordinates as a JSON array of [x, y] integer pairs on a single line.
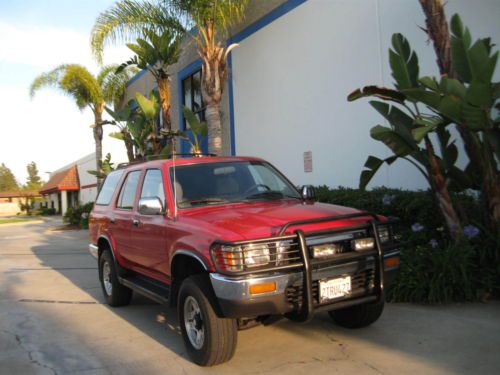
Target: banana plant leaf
[[404, 63], [372, 165], [383, 93]]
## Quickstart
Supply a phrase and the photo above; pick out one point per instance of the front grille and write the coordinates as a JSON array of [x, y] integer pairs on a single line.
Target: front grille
[[362, 284]]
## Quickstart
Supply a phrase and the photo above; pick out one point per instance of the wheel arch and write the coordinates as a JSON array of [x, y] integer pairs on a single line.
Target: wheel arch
[[184, 263]]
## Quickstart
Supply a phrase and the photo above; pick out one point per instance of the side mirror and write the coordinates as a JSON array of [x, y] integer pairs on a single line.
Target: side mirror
[[150, 206], [307, 192]]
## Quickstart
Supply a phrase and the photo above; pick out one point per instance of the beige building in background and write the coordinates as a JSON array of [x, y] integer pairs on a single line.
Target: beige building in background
[[10, 201]]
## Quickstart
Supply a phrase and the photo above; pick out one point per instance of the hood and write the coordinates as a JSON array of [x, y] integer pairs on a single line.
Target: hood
[[263, 219]]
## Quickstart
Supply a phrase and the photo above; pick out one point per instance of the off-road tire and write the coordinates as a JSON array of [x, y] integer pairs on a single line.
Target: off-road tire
[[119, 295], [220, 334], [357, 316]]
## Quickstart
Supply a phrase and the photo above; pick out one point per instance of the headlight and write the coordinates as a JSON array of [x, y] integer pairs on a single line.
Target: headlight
[[361, 244], [282, 249], [326, 250], [256, 255], [384, 234], [236, 258]]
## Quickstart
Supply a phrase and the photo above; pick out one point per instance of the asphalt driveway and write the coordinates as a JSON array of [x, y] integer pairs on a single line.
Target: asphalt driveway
[[53, 321]]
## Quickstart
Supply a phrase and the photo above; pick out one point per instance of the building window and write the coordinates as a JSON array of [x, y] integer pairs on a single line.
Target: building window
[[191, 95]]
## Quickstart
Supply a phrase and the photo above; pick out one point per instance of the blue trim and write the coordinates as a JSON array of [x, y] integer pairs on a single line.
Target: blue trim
[[136, 77], [187, 71], [245, 33], [266, 20]]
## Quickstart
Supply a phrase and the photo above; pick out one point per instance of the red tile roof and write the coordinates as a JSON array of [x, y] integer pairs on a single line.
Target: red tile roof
[[65, 180], [19, 194]]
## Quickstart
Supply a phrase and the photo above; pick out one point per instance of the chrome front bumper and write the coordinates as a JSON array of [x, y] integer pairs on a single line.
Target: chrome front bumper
[[93, 250], [235, 300]]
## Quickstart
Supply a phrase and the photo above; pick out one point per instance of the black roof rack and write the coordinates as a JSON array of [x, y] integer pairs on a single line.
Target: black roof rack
[[160, 157]]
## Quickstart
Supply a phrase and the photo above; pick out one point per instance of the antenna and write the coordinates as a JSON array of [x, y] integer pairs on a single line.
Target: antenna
[[175, 178]]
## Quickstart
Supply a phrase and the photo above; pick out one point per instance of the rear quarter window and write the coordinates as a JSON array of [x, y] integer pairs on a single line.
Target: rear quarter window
[[108, 188]]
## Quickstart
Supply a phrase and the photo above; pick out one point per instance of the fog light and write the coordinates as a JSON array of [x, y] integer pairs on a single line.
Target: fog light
[[262, 288], [323, 251], [361, 244], [391, 262]]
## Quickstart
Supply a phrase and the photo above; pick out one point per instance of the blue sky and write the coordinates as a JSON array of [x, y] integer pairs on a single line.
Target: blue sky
[[36, 36]]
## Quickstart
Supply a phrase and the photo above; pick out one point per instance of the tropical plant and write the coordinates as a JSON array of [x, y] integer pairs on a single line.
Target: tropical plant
[[155, 52], [106, 168], [198, 131], [473, 66], [408, 136], [212, 18], [88, 91], [120, 119]]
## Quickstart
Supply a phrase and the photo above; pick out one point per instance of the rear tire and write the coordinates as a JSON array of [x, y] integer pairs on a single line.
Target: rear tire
[[115, 293], [209, 340], [357, 316]]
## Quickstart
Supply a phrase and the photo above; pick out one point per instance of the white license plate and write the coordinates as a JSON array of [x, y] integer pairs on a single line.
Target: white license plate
[[334, 288]]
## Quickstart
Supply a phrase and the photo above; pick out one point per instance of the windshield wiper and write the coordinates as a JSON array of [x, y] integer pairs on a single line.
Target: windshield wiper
[[207, 200], [269, 194]]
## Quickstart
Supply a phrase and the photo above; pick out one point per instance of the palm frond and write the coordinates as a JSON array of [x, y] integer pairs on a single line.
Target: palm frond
[[113, 83], [78, 82], [223, 14], [49, 79], [129, 19]]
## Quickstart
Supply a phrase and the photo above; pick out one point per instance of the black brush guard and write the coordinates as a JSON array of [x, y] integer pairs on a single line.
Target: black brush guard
[[306, 263]]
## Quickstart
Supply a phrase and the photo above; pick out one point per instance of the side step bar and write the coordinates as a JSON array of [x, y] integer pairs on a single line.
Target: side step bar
[[149, 288]]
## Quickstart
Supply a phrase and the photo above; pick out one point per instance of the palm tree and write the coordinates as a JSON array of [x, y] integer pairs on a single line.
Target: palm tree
[[88, 91], [212, 18], [155, 53]]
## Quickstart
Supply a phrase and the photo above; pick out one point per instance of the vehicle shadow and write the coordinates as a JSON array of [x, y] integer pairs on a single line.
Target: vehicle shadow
[[402, 328], [157, 321]]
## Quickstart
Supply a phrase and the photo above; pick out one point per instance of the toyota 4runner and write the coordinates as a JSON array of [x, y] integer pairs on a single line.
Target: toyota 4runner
[[232, 242]]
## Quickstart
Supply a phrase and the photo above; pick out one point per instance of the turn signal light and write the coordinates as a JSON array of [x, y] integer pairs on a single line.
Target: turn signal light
[[391, 262], [262, 288]]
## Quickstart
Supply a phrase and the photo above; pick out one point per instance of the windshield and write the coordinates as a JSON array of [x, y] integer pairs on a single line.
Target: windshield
[[239, 181]]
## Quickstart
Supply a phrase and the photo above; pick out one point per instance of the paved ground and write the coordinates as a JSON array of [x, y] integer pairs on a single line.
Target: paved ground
[[53, 321]]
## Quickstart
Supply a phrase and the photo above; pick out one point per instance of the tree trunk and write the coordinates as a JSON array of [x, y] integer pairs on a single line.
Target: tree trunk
[[165, 101], [214, 75], [442, 194], [129, 145], [98, 132], [438, 31], [213, 117]]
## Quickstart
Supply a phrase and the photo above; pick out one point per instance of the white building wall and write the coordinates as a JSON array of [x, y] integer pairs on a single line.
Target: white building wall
[[88, 190], [291, 80]]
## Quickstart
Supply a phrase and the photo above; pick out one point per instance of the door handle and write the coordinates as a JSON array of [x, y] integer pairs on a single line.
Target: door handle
[[136, 222]]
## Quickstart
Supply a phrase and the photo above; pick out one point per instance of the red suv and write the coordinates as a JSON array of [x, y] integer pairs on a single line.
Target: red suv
[[232, 242]]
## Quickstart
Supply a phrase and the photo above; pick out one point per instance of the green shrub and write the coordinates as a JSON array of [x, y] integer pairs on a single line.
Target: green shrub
[[47, 211], [435, 275], [78, 215], [433, 269]]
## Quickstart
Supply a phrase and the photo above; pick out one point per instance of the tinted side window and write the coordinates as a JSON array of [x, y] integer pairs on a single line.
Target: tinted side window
[[127, 194], [153, 185], [108, 188]]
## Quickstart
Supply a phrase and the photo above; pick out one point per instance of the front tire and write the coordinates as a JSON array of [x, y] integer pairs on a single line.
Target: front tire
[[115, 293], [357, 316], [209, 340]]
